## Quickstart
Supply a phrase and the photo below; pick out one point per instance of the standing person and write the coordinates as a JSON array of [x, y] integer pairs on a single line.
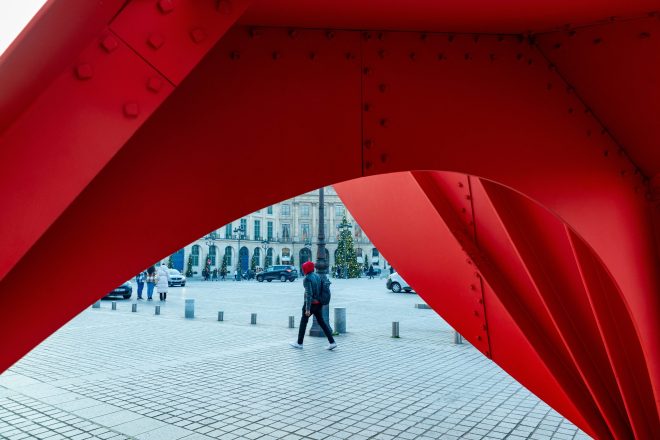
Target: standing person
[[163, 282], [139, 279], [151, 279], [312, 306], [223, 273], [215, 275], [371, 272]]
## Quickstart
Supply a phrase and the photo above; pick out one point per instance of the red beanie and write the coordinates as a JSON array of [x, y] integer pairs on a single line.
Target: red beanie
[[307, 267]]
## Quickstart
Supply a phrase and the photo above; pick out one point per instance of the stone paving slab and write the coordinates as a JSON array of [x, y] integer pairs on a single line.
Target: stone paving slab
[[118, 374]]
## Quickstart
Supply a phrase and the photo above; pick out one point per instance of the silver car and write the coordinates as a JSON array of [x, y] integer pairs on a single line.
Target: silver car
[[176, 278]]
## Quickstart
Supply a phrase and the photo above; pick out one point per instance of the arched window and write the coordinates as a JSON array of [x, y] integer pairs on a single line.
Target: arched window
[[228, 252], [269, 258], [374, 252], [213, 252], [195, 255], [257, 256]]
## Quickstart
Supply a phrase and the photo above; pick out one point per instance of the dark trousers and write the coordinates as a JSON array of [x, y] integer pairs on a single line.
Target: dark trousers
[[140, 287], [316, 311]]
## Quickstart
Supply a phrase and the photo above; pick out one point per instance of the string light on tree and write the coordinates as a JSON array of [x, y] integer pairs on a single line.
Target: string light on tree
[[346, 257]]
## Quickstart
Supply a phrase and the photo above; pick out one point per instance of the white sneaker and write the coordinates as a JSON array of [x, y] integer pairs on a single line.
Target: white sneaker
[[296, 345], [330, 346]]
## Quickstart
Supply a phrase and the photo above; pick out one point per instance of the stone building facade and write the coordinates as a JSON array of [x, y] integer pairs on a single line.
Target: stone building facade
[[286, 231]]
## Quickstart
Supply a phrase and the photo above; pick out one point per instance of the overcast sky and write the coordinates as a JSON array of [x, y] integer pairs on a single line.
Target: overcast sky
[[14, 15]]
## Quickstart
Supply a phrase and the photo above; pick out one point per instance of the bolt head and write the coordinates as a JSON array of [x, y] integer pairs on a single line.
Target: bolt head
[[84, 71], [131, 109], [224, 7], [154, 84], [198, 35], [155, 41], [165, 6], [109, 44]]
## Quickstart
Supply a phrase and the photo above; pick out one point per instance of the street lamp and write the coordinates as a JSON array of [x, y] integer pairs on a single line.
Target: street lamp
[[321, 265], [210, 241], [240, 230]]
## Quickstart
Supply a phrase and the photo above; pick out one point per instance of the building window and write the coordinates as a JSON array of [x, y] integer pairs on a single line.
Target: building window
[[304, 232], [304, 210], [286, 254], [269, 231], [358, 231], [257, 255], [286, 231], [358, 252], [195, 255], [213, 252], [228, 252], [228, 231], [285, 210], [374, 253], [269, 210], [269, 258], [340, 211], [257, 229], [244, 228]]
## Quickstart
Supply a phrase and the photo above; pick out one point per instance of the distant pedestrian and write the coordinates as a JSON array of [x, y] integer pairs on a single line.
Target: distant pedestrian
[[151, 279], [371, 272], [139, 279], [163, 282], [313, 305], [215, 275], [235, 275], [223, 273]]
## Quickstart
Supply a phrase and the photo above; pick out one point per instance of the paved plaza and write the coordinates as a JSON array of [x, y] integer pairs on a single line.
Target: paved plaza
[[118, 374]]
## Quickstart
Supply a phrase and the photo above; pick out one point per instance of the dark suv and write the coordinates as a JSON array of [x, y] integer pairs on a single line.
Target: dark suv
[[282, 273]]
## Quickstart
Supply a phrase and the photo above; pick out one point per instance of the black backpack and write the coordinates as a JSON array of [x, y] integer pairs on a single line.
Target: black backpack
[[324, 294]]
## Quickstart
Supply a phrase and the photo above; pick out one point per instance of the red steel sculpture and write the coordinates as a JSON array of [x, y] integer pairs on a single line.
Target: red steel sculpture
[[520, 139]]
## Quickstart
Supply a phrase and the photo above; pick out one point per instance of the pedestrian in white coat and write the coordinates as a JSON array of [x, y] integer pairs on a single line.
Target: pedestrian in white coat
[[163, 282]]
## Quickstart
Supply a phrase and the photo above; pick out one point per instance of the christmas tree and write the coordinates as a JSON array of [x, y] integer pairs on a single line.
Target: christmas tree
[[254, 263], [189, 268], [223, 268], [170, 262], [346, 257]]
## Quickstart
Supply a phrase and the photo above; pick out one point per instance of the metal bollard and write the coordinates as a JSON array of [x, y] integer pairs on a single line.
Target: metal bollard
[[253, 319], [221, 316], [114, 305], [134, 307], [458, 339], [340, 319], [395, 329], [157, 310], [422, 306], [190, 309], [292, 322], [96, 305]]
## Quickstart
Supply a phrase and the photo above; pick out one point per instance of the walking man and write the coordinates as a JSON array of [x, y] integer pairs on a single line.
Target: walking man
[[312, 306], [139, 279]]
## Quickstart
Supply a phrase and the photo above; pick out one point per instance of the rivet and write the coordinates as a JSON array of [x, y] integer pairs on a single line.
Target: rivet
[[292, 33], [557, 45], [155, 41], [598, 40], [312, 56], [530, 62], [606, 153], [367, 71], [366, 35], [475, 38], [460, 184], [131, 110], [368, 143], [450, 38], [570, 89], [382, 53], [623, 173], [477, 274], [380, 36], [234, 55], [491, 57], [441, 56], [154, 84], [412, 56], [548, 86], [84, 71], [349, 56], [384, 122], [368, 164], [644, 35], [481, 300], [329, 35], [366, 107], [551, 67], [463, 210], [423, 36], [224, 7], [572, 33], [382, 88], [500, 38], [520, 38], [479, 338], [275, 55], [468, 261], [468, 197], [476, 313], [484, 327], [467, 56], [589, 133], [255, 33], [165, 6], [519, 56], [570, 110], [383, 157], [109, 43], [488, 353], [198, 35]]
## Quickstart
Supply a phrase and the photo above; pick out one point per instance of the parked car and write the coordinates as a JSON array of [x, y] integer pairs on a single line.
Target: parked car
[[396, 283], [282, 273], [125, 291], [176, 278]]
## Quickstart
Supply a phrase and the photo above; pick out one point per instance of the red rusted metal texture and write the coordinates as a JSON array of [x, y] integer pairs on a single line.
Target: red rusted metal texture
[[519, 136]]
